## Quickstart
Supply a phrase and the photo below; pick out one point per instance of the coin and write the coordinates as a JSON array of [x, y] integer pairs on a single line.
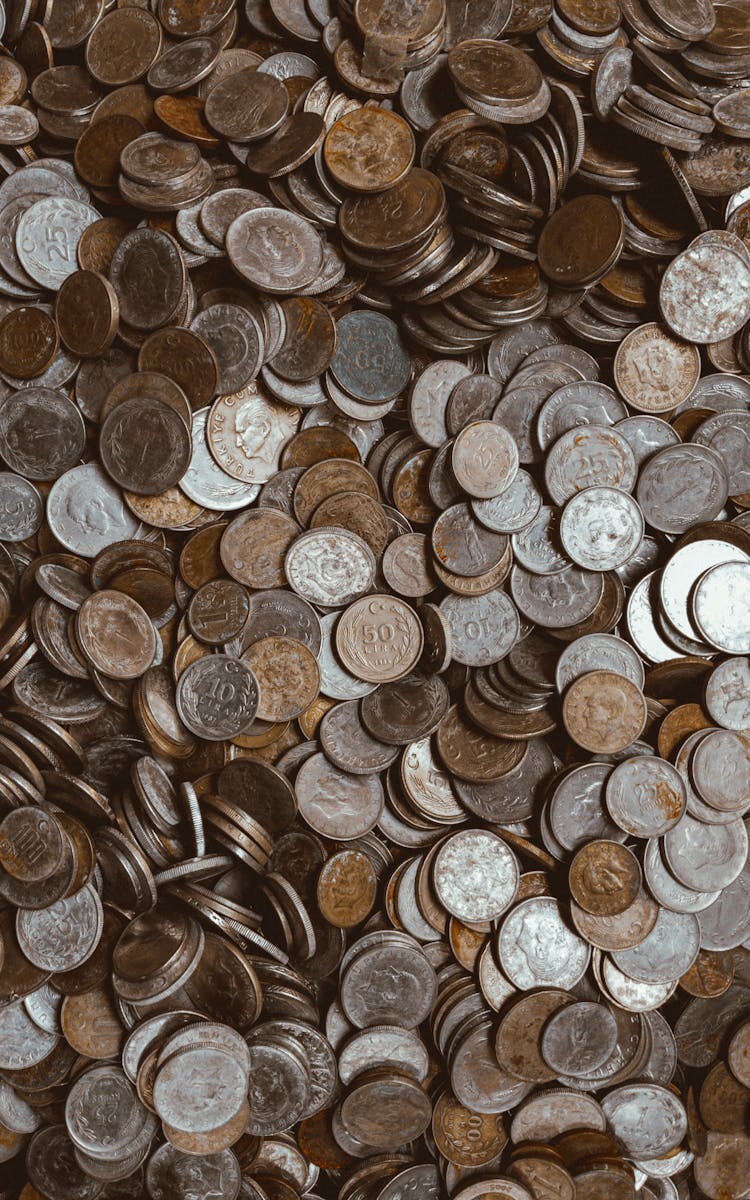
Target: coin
[[217, 697], [369, 150], [604, 712], [604, 878]]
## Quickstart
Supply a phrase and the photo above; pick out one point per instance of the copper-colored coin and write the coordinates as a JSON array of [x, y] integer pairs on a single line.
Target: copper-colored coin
[[327, 478], [99, 242], [472, 754], [287, 674], [517, 1042], [28, 342], [466, 1139], [116, 635], [346, 888], [604, 712], [87, 313], [723, 1101], [254, 547], [123, 46], [710, 975], [369, 150], [359, 513], [678, 725], [317, 444], [605, 878], [91, 1025], [218, 611], [185, 357], [199, 559], [183, 116], [309, 339], [568, 254], [97, 152]]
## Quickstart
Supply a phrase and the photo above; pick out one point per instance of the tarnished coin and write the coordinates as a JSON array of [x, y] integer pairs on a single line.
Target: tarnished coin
[[379, 638], [217, 697], [274, 250], [153, 466], [655, 372], [336, 803], [645, 796], [369, 149], [115, 634], [287, 674], [604, 712], [578, 1038], [704, 295], [604, 878]]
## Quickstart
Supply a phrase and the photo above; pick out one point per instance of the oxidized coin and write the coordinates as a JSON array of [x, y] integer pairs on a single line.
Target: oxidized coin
[[604, 712], [287, 674], [157, 462], [371, 362], [605, 878], [645, 796], [655, 372], [274, 250], [369, 149], [28, 342], [116, 635]]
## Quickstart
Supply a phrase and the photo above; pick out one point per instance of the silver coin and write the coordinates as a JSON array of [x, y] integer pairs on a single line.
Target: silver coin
[[47, 238], [645, 796], [330, 567], [217, 697], [706, 856], [666, 953], [601, 528], [727, 695], [205, 482], [86, 511], [598, 652], [483, 628], [720, 607], [537, 949], [512, 510]]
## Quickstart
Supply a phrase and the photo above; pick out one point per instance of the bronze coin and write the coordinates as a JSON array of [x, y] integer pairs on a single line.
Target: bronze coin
[[309, 340], [97, 151], [28, 342], [87, 313], [185, 357]]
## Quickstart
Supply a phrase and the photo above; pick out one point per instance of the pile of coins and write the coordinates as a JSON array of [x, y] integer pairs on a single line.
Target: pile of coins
[[374, 580]]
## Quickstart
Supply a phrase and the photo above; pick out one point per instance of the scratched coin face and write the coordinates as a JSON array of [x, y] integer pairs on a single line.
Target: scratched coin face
[[217, 697]]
